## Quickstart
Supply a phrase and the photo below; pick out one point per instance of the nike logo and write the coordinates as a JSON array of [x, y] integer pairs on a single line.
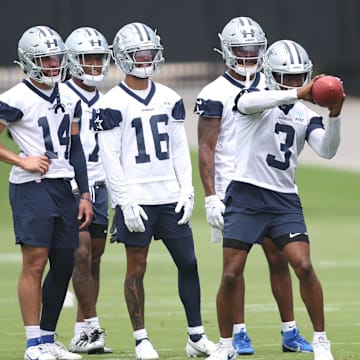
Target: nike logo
[[292, 235]]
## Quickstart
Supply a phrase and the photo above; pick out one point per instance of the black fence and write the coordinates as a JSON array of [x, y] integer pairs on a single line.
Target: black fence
[[328, 29]]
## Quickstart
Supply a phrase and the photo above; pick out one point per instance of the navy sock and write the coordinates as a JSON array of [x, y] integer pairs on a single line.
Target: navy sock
[[137, 342], [33, 342], [46, 339], [195, 337]]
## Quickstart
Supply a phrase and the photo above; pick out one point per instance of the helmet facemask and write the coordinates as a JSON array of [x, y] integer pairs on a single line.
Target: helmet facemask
[[90, 72], [244, 59], [143, 63]]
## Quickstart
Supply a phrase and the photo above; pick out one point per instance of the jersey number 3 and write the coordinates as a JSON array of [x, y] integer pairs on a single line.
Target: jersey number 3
[[284, 147]]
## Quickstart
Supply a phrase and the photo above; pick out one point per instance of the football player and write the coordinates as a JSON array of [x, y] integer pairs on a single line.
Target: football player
[[262, 199], [243, 45], [88, 62], [146, 158], [42, 116]]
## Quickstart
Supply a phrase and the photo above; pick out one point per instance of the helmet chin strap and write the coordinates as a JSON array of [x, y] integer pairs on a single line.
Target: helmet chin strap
[[92, 80]]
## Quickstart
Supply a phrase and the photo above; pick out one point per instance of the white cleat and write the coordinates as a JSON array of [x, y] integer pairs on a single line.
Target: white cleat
[[222, 353], [202, 348], [322, 349], [79, 344], [38, 352], [60, 352], [145, 351]]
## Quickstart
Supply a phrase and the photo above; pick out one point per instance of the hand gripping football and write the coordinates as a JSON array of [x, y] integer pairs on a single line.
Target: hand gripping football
[[327, 91]]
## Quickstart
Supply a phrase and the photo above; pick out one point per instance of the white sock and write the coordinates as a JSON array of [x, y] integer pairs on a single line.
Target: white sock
[[79, 328], [92, 323], [226, 342], [238, 327], [319, 334], [196, 330], [288, 325], [140, 334], [32, 331]]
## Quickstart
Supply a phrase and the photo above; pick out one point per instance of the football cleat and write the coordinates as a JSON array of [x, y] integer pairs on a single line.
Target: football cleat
[[202, 348], [79, 344], [322, 349], [292, 341], [242, 343], [96, 341], [145, 351], [38, 352], [60, 352], [92, 342], [222, 353]]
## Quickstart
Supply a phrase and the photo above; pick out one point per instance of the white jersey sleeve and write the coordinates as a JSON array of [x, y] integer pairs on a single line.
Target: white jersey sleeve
[[40, 124]]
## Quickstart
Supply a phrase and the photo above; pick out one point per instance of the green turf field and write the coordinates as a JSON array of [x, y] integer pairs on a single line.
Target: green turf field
[[331, 203]]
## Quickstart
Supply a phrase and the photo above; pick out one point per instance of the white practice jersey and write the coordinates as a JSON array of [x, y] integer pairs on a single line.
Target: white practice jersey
[[40, 124], [88, 136], [268, 142], [147, 135], [216, 100]]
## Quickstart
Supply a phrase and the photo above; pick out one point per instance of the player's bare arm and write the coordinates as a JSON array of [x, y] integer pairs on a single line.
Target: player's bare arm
[[208, 131], [31, 163]]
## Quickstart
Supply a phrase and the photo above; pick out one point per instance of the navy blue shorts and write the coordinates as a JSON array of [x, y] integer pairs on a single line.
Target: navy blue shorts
[[100, 221], [45, 214], [161, 224], [276, 214], [251, 226]]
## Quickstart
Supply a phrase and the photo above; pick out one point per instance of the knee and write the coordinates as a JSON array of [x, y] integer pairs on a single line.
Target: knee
[[230, 279], [82, 254], [304, 269]]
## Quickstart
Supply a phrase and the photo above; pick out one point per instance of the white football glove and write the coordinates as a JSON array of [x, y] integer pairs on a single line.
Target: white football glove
[[216, 235], [133, 217], [186, 202], [214, 211]]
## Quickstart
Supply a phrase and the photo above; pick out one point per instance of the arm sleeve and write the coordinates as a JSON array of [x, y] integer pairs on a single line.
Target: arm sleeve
[[256, 101], [181, 158], [325, 142], [109, 150], [77, 160]]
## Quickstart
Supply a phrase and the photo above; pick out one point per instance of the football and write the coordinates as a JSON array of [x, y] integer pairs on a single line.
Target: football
[[327, 90]]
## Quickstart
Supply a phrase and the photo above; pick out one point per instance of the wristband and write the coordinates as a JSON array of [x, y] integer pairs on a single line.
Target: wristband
[[85, 198]]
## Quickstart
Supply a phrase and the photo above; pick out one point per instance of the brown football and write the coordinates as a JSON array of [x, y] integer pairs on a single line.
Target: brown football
[[327, 91]]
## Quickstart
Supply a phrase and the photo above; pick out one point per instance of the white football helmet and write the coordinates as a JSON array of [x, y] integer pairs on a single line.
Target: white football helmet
[[243, 45], [286, 57], [137, 50], [83, 41], [37, 45]]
